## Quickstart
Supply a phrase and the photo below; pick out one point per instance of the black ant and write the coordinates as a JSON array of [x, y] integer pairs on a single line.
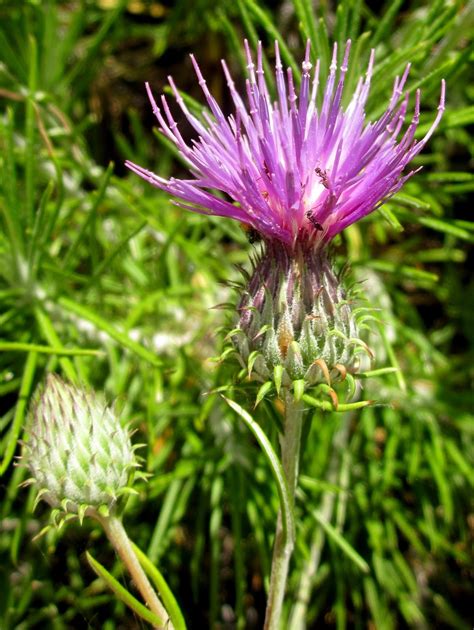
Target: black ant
[[317, 226], [324, 177], [266, 170], [253, 235]]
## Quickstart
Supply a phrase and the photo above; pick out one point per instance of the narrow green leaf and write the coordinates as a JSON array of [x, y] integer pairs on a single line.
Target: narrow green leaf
[[324, 51], [449, 614], [97, 200], [413, 202], [288, 521], [405, 527], [341, 27], [122, 594], [252, 35], [116, 251], [234, 39], [438, 469], [102, 324], [30, 134], [355, 19], [235, 485], [307, 20], [391, 219], [215, 528], [20, 410], [341, 542], [386, 23], [458, 458], [376, 605], [8, 179], [392, 358], [14, 346], [403, 271], [253, 356], [459, 117], [448, 228], [379, 372], [163, 524], [265, 22], [49, 333], [33, 245], [326, 405], [79, 71], [162, 587]]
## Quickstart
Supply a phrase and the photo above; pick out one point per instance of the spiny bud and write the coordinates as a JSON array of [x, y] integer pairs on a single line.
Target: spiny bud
[[295, 319], [80, 456]]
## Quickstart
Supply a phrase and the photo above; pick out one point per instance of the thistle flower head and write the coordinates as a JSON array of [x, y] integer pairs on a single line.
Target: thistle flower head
[[298, 173], [78, 453]]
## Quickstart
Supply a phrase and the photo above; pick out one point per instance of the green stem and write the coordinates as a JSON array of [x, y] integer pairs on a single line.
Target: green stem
[[117, 535], [290, 443], [298, 615]]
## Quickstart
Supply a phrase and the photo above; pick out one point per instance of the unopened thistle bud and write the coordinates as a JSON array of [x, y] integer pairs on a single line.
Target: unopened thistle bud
[[79, 455]]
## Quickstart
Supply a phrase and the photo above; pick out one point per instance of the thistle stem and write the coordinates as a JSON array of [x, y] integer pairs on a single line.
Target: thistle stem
[[290, 443], [117, 535], [298, 615]]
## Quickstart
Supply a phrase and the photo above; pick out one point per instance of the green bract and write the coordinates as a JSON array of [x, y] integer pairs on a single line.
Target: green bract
[[296, 321], [79, 454]]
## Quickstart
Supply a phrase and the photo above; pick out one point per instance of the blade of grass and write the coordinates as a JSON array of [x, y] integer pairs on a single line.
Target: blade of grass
[[307, 19], [155, 548], [33, 244], [215, 526], [288, 521], [340, 29], [25, 389], [235, 483], [79, 71], [386, 23], [14, 346], [162, 587], [342, 543], [30, 134], [266, 23], [48, 331], [102, 324], [90, 216], [252, 35], [115, 252], [9, 185], [122, 594], [234, 40], [355, 19]]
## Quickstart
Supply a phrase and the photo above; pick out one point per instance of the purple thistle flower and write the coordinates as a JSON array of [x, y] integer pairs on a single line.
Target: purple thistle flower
[[299, 174]]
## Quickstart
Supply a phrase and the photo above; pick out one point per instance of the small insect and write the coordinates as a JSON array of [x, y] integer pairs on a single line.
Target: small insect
[[317, 226], [253, 235], [266, 170], [323, 176]]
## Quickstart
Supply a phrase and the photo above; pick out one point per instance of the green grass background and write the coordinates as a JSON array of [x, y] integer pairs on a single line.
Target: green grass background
[[107, 283]]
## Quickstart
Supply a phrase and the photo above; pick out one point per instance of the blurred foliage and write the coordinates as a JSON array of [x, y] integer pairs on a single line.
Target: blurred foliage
[[102, 279]]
